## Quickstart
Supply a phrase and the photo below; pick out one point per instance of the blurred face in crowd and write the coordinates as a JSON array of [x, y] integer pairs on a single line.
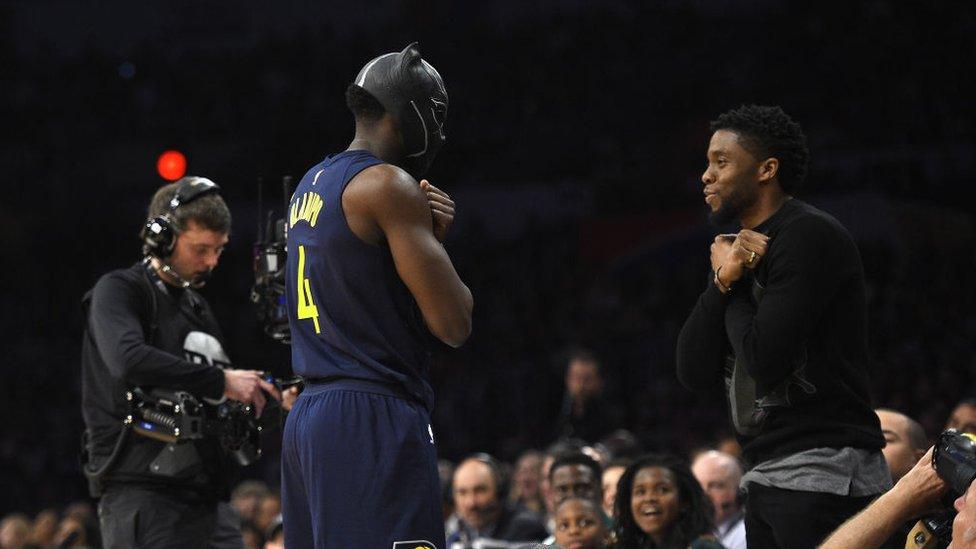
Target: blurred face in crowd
[[611, 475], [719, 477], [45, 526], [574, 480], [197, 251], [475, 494], [964, 525], [527, 476], [963, 418], [71, 533], [268, 510], [655, 502], [731, 178], [579, 525], [583, 380], [14, 531], [898, 452]]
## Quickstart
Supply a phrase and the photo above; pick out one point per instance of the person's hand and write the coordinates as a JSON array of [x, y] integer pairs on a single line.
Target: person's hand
[[441, 207], [740, 252], [749, 248], [288, 398], [921, 488], [720, 250], [246, 386]]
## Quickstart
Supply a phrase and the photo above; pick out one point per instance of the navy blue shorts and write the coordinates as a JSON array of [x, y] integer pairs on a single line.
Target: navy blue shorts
[[359, 469]]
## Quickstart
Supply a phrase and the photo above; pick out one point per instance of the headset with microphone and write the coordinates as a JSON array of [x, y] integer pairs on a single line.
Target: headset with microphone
[[160, 232]]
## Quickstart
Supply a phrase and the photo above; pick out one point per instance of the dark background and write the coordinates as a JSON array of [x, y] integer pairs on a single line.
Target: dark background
[[577, 133]]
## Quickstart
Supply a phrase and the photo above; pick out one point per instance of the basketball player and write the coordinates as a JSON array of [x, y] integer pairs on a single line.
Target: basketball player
[[368, 281]]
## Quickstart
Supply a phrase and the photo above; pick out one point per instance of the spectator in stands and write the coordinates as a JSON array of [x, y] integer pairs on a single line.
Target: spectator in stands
[[719, 475], [526, 482], [580, 525], [268, 509], [611, 476], [585, 414], [554, 451], [44, 528], [14, 531], [483, 509], [963, 417], [73, 532], [905, 441], [574, 475], [247, 496], [660, 504]]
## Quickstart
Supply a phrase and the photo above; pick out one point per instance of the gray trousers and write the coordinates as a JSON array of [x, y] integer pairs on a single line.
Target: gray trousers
[[133, 516]]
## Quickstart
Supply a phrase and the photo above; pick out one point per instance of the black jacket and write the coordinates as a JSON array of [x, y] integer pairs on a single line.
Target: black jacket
[[140, 332]]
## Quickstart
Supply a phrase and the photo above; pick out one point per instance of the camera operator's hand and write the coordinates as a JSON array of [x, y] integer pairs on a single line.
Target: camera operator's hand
[[914, 495], [921, 488], [246, 386], [288, 398]]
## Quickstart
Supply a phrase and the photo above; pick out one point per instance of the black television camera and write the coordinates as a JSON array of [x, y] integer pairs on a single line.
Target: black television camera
[[954, 459], [173, 416], [270, 255]]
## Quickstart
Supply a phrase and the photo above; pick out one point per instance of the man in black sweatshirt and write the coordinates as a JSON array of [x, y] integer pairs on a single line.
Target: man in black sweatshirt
[[147, 327], [781, 331]]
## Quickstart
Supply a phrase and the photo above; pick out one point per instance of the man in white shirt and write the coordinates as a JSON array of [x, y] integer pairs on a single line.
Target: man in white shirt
[[719, 475]]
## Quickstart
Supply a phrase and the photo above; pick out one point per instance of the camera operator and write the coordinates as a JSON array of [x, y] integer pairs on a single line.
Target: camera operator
[[147, 327], [917, 494]]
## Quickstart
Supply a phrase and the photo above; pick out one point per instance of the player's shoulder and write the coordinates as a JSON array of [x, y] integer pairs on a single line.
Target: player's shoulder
[[386, 185]]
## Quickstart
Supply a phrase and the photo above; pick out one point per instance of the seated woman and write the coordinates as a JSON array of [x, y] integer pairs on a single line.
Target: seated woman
[[580, 525], [660, 505]]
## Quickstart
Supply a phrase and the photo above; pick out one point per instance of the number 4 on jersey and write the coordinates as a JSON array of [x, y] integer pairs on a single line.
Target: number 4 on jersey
[[306, 306]]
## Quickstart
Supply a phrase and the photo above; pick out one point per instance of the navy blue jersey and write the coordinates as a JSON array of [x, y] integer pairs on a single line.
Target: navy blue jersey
[[351, 316]]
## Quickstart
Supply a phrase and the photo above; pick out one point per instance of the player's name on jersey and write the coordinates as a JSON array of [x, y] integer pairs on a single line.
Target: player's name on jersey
[[306, 208]]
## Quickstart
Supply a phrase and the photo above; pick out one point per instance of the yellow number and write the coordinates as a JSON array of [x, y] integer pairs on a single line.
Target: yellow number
[[306, 306]]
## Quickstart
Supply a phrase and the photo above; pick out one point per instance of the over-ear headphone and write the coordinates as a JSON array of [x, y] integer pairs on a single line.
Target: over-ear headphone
[[159, 234]]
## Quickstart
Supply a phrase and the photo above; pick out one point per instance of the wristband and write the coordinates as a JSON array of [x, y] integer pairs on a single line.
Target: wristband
[[718, 282]]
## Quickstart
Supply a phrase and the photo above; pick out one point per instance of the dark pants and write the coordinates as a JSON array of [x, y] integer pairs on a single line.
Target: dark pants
[[795, 520], [132, 516], [359, 469]]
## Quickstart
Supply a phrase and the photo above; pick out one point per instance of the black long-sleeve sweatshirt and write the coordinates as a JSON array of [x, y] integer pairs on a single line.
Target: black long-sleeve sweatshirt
[[798, 324], [139, 333]]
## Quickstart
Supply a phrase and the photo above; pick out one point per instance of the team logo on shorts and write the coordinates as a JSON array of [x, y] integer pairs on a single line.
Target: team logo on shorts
[[415, 544]]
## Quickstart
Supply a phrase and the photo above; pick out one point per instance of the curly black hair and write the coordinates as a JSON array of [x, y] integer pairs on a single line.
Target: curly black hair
[[363, 105], [696, 518], [769, 132]]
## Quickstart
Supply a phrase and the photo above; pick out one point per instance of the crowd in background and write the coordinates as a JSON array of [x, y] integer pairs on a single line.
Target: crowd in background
[[588, 489], [83, 130]]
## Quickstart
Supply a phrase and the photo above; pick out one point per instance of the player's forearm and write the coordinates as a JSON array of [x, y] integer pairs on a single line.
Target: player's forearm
[[454, 328]]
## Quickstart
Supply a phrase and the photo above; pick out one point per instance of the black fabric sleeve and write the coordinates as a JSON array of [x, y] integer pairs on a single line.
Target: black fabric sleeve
[[115, 323], [802, 279], [702, 343]]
